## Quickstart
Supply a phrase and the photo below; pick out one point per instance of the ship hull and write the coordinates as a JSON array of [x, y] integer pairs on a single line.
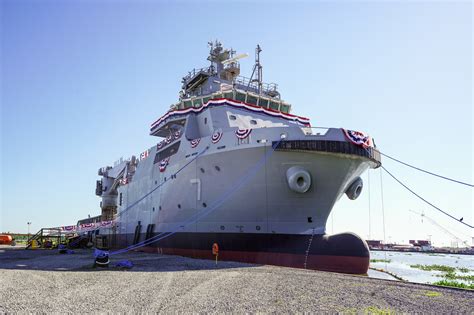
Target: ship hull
[[346, 252]]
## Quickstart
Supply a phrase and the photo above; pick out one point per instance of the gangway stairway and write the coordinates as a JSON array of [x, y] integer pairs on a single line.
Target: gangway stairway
[[44, 235]]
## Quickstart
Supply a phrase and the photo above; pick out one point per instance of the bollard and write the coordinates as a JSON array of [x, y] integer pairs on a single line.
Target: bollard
[[101, 258]]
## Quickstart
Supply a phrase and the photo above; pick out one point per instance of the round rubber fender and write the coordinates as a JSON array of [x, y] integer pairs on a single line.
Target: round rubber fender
[[355, 189], [298, 179]]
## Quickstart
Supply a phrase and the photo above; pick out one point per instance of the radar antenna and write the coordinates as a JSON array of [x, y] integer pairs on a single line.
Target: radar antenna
[[234, 59]]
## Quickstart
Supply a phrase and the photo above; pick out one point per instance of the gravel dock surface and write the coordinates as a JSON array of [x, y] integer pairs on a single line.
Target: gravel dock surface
[[45, 281]]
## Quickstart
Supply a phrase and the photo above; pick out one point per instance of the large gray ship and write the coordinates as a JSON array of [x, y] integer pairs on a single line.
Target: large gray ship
[[234, 169]]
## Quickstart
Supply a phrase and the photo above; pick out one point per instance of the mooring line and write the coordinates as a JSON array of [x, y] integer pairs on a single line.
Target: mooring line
[[248, 176], [150, 192], [420, 197], [427, 172], [426, 201]]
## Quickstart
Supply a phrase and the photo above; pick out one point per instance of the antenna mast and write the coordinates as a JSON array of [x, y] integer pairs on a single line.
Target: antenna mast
[[259, 68]]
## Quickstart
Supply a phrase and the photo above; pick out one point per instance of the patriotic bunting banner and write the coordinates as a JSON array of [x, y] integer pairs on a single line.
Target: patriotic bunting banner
[[106, 224], [221, 102], [69, 228], [168, 139], [195, 142], [216, 136], [358, 138], [87, 226], [177, 134], [163, 164], [159, 145], [243, 133], [144, 154]]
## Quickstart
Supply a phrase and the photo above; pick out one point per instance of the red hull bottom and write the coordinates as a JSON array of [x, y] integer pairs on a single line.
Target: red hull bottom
[[333, 263]]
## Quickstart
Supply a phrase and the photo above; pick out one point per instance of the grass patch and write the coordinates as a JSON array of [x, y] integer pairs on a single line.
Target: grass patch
[[380, 260], [465, 270], [455, 284], [432, 293], [454, 276], [443, 268]]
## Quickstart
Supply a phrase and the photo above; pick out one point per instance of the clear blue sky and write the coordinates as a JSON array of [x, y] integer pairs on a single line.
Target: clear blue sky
[[81, 81]]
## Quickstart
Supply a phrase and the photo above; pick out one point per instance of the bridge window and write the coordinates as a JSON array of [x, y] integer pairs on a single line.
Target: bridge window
[[263, 102], [187, 104], [229, 95], [274, 105], [240, 97], [251, 99], [206, 99], [285, 108], [197, 102]]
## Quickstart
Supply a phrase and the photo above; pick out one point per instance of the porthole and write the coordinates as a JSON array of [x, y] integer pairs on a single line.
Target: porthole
[[179, 206], [258, 227], [159, 208], [202, 170], [205, 121], [232, 117], [222, 227], [253, 122], [204, 204], [218, 168], [153, 209]]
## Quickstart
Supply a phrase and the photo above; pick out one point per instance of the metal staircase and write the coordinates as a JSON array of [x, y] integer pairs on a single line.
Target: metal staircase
[[44, 238]]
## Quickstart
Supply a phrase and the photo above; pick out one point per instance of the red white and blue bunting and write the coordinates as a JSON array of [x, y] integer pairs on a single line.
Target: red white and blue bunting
[[86, 227], [243, 133], [144, 155], [163, 164], [195, 142], [69, 228], [358, 138], [106, 224], [176, 135], [216, 136], [241, 105]]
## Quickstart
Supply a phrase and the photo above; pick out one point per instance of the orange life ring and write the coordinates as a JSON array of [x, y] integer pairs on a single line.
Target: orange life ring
[[215, 249]]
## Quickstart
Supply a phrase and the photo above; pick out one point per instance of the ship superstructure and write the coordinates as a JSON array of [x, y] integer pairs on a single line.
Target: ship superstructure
[[234, 167]]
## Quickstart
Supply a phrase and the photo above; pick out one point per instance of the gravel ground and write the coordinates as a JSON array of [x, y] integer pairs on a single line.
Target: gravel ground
[[45, 281]]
